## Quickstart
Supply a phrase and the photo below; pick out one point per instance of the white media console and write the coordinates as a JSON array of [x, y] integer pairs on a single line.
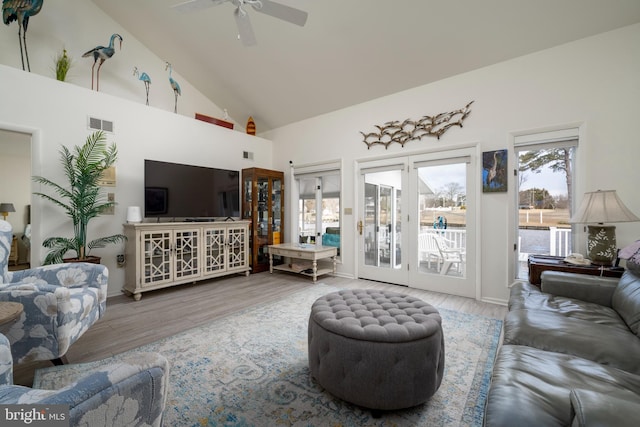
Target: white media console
[[172, 253]]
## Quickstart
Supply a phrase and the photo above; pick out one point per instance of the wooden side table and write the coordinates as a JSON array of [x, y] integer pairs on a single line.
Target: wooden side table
[[540, 263], [13, 255], [9, 312], [311, 253]]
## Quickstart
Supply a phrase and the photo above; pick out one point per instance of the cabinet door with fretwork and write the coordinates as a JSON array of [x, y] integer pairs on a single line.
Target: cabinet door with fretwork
[[156, 257], [213, 253], [186, 249], [238, 247]]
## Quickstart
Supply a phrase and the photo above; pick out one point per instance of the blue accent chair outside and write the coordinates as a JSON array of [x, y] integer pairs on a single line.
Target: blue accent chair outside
[[60, 303], [332, 237], [131, 392]]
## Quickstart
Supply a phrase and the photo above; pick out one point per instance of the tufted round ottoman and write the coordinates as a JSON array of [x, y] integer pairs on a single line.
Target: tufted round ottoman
[[377, 349]]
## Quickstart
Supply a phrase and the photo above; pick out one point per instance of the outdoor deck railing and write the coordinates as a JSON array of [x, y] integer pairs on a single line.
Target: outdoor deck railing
[[559, 241], [457, 237]]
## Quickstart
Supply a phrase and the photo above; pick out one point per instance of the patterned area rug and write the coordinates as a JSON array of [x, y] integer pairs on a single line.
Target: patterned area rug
[[250, 369]]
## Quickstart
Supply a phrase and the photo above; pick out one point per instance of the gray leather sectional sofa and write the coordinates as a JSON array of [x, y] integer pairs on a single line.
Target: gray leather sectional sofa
[[571, 353]]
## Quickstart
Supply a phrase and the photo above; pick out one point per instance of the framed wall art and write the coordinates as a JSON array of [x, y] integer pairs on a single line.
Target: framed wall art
[[108, 177], [494, 171]]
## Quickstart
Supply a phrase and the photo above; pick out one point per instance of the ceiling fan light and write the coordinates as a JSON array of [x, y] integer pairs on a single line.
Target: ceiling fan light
[[245, 31], [256, 4], [240, 12]]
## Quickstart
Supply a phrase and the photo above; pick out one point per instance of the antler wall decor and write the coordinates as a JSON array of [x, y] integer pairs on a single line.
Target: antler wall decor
[[409, 130]]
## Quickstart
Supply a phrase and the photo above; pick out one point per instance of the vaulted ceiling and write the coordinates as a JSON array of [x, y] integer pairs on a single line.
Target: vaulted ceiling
[[352, 51]]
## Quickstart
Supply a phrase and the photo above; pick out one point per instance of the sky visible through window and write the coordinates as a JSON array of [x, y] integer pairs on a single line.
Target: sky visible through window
[[438, 177], [554, 182]]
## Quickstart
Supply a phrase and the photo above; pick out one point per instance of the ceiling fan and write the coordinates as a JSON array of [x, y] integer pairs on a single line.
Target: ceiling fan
[[245, 30]]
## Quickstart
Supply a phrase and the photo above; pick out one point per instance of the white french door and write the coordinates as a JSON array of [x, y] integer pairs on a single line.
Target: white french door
[[417, 221], [443, 188], [382, 221]]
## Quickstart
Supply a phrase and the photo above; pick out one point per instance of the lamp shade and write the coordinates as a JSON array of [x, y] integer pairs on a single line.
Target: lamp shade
[[599, 207], [134, 214], [7, 207], [602, 206]]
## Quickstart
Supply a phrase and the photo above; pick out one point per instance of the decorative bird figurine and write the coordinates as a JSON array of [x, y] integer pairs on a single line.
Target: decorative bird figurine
[[101, 53], [21, 11], [175, 86], [144, 78]]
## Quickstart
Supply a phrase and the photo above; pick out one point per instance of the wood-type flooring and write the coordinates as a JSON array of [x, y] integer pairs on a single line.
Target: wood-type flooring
[[128, 324]]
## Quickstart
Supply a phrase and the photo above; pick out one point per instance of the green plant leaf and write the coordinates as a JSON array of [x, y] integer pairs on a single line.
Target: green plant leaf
[[81, 198]]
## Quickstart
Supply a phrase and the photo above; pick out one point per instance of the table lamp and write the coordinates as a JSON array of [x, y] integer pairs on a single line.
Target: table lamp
[[134, 214], [597, 208], [5, 208]]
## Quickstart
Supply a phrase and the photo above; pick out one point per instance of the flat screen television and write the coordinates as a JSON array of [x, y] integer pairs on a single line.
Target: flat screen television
[[190, 192]]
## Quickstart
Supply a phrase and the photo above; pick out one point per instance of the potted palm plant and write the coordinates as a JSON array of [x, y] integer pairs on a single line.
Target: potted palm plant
[[82, 198]]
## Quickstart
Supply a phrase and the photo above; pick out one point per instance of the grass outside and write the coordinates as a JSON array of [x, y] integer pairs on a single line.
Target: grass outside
[[544, 218], [529, 218]]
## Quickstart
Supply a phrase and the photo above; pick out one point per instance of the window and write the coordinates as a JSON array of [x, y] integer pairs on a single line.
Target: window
[[545, 164], [318, 215]]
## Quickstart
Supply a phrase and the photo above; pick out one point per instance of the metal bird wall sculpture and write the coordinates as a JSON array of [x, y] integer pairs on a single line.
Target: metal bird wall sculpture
[[175, 86], [21, 11], [101, 53], [144, 78], [409, 130]]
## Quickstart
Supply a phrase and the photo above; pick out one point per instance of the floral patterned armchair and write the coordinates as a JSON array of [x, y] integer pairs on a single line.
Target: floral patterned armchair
[[131, 392], [60, 303]]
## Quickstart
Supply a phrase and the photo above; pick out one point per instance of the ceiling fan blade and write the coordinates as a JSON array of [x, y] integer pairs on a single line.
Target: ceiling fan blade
[[194, 5], [280, 11], [245, 30]]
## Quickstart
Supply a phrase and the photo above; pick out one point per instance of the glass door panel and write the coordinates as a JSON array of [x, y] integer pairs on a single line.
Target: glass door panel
[[384, 226], [276, 199], [187, 246], [380, 239], [442, 215], [156, 257], [263, 223], [371, 225], [237, 238], [214, 240], [545, 188], [397, 252], [443, 235], [263, 206]]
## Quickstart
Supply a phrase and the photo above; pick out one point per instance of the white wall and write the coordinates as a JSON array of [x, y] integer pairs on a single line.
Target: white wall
[[55, 113], [593, 83], [78, 26]]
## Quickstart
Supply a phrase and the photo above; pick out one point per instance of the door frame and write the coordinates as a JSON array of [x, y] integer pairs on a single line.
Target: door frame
[[35, 252], [475, 150], [549, 134], [400, 275], [469, 284]]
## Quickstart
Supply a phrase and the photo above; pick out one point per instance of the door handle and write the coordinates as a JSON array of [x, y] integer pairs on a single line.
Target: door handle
[[360, 227]]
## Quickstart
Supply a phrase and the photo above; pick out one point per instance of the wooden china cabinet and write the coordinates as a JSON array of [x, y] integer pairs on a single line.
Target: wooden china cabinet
[[263, 206]]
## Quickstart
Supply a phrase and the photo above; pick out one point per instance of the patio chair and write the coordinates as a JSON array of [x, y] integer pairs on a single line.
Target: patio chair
[[428, 250], [60, 303], [448, 256]]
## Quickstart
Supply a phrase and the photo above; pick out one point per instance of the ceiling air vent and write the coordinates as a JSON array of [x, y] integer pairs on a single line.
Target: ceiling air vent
[[100, 124]]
